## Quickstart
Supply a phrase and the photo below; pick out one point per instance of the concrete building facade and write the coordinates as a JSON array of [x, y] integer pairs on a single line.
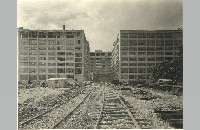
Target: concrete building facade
[[100, 64], [44, 54], [135, 52]]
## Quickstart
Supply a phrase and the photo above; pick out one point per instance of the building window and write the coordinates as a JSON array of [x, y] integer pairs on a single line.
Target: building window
[[51, 42], [42, 58], [124, 70], [141, 35], [150, 53], [33, 77], [150, 48], [132, 42], [78, 59], [150, 64], [141, 59], [141, 70], [141, 64], [159, 35], [124, 64], [42, 64], [141, 48], [132, 35], [42, 53], [32, 63], [69, 64], [169, 43], [60, 70], [124, 53], [159, 53], [51, 70], [141, 53], [124, 35], [33, 34], [42, 70], [168, 53], [141, 76], [141, 43], [132, 59], [132, 64], [151, 59], [168, 34], [51, 35], [124, 58], [78, 64], [132, 53], [42, 35], [51, 76], [102, 54], [51, 64], [159, 42], [150, 42], [78, 71], [168, 48], [69, 70], [132, 70], [168, 58], [159, 58], [178, 34], [23, 77], [124, 48], [79, 42], [60, 64], [150, 35], [124, 43], [23, 70], [69, 35], [131, 76], [159, 48]]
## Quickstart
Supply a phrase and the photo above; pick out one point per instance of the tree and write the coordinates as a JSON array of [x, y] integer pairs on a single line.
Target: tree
[[172, 69]]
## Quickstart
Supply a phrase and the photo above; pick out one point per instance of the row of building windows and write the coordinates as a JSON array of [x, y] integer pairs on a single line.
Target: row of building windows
[[125, 42], [42, 77], [152, 35], [100, 54], [48, 42], [35, 34], [77, 64], [149, 48], [144, 59], [148, 53]]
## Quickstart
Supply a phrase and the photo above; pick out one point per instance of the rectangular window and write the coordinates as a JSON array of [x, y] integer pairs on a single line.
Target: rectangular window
[[141, 48], [159, 35], [78, 71], [42, 58], [23, 58], [150, 64], [124, 70], [33, 34], [132, 64], [23, 77], [124, 53], [51, 70], [132, 59], [23, 70], [61, 53], [150, 53], [51, 48], [32, 63], [159, 42], [61, 58], [132, 35], [159, 48], [132, 42], [150, 48], [168, 53], [51, 76], [51, 35], [159, 53], [169, 43], [159, 58], [42, 48], [42, 64], [60, 70], [168, 58], [132, 48], [178, 35], [141, 43], [124, 35], [168, 34], [141, 53], [51, 42], [60, 64], [51, 64], [150, 35], [78, 64], [169, 48], [69, 64], [141, 76], [78, 59], [141, 59], [141, 35], [132, 53], [131, 76], [141, 64], [42, 70], [124, 58], [42, 53], [124, 48], [141, 70], [150, 42], [151, 59], [132, 70], [124, 64], [32, 70], [51, 53]]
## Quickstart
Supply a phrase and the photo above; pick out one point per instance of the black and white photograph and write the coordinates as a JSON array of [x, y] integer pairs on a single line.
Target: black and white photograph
[[99, 64]]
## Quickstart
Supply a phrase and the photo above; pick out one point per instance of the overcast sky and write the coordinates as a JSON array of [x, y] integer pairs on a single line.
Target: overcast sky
[[100, 19]]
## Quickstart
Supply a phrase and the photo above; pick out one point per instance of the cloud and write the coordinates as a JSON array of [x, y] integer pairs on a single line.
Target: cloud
[[101, 19]]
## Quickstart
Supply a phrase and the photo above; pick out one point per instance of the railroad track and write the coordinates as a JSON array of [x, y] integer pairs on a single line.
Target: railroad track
[[21, 124], [115, 113], [59, 123]]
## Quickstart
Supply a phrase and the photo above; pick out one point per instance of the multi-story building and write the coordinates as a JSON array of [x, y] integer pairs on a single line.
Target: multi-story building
[[135, 52], [44, 54], [100, 64]]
